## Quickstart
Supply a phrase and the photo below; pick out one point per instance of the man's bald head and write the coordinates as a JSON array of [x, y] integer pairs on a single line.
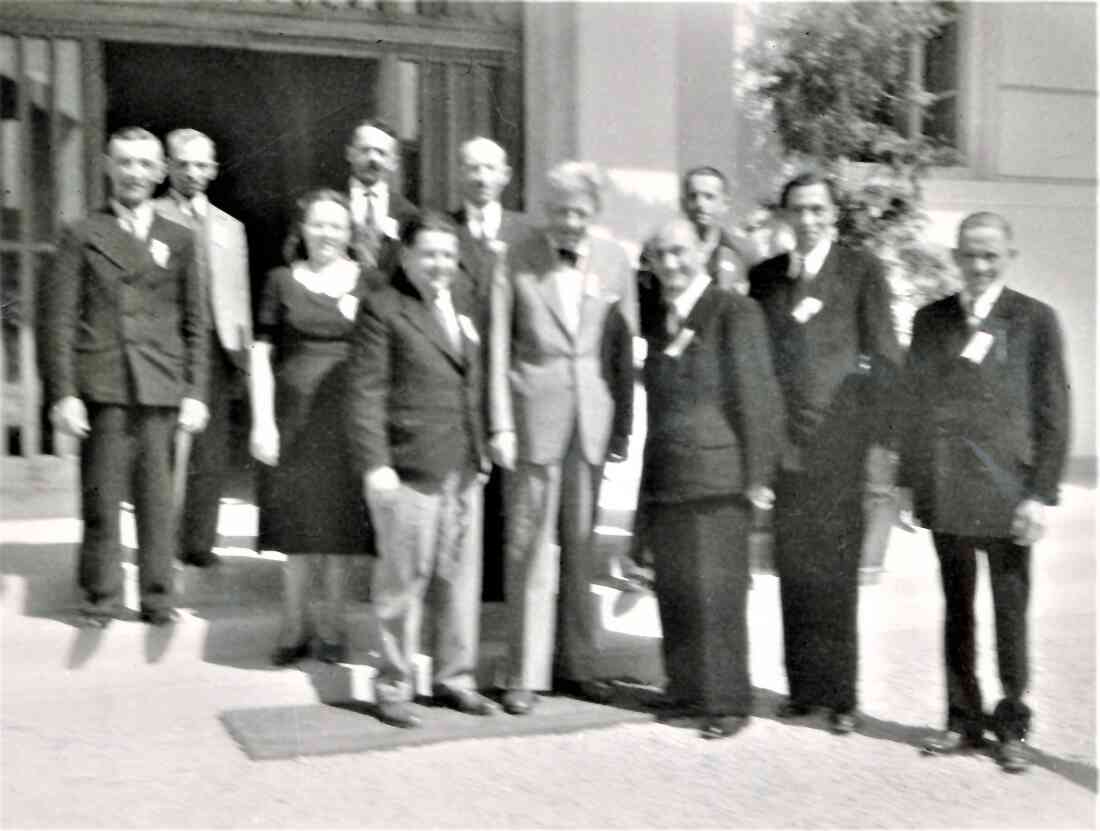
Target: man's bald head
[[676, 255]]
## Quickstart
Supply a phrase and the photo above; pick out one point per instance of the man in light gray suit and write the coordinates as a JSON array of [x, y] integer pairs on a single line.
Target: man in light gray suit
[[560, 404], [221, 252]]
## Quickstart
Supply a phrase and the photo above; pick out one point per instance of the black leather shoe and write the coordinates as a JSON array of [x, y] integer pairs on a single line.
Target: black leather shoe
[[284, 656], [332, 653], [948, 742], [396, 714], [200, 559], [465, 701], [518, 702], [1014, 756], [842, 723], [721, 727], [160, 617], [789, 709]]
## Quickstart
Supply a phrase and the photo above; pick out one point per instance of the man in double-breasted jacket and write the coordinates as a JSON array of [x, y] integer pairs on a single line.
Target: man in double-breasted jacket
[[983, 448], [714, 423], [124, 334]]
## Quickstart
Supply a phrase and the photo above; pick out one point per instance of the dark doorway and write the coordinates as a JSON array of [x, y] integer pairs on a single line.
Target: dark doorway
[[280, 123]]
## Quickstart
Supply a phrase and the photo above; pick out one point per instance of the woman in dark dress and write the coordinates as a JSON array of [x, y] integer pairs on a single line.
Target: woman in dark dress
[[310, 507]]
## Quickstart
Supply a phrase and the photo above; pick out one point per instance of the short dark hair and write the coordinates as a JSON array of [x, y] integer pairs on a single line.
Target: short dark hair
[[986, 219], [377, 124], [704, 170], [429, 220], [294, 247], [807, 179]]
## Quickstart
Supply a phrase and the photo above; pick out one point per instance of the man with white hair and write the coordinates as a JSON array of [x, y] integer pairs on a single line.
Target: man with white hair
[[561, 389], [221, 257]]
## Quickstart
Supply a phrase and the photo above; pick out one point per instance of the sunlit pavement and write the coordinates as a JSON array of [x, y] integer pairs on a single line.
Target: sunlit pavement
[[121, 729]]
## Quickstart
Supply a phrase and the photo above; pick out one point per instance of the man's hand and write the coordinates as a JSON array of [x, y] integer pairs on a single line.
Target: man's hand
[[761, 496], [69, 416], [263, 444], [617, 449], [193, 415], [502, 449], [1029, 522], [380, 481]]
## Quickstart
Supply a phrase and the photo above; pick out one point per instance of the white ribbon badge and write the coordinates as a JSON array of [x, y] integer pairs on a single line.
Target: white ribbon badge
[[679, 343], [978, 347], [160, 252], [806, 309]]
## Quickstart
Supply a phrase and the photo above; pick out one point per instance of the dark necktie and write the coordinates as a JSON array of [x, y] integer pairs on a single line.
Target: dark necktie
[[568, 257]]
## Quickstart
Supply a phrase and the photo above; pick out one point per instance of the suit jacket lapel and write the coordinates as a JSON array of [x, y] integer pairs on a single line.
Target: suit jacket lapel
[[548, 288], [417, 311], [119, 246]]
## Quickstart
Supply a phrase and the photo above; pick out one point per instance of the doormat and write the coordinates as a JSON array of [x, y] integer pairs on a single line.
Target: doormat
[[322, 729]]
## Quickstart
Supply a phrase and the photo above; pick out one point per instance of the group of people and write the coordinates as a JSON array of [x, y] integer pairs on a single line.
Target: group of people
[[415, 377]]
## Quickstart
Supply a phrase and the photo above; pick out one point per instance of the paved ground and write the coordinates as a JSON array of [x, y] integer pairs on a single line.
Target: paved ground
[[123, 730]]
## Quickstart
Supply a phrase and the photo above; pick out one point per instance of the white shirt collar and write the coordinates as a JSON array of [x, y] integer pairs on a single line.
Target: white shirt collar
[[690, 296], [491, 216], [813, 259], [139, 219], [981, 305], [378, 193], [198, 203]]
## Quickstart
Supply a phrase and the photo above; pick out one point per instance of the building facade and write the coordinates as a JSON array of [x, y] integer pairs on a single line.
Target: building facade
[[644, 89]]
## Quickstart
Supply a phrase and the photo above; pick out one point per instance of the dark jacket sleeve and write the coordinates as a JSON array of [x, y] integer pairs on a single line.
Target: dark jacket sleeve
[[59, 314], [756, 401], [619, 372], [368, 388], [879, 343], [1049, 408], [908, 411]]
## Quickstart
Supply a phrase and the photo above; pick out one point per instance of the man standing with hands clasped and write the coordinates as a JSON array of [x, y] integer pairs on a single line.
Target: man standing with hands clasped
[[983, 448], [124, 334]]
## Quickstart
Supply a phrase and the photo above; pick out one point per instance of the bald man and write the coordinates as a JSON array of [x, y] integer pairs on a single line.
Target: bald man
[[715, 421], [986, 429]]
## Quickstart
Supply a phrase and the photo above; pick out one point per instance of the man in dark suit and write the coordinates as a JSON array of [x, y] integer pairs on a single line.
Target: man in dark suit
[[561, 388], [483, 223], [377, 210], [221, 253], [983, 448], [715, 420], [417, 435], [836, 357], [124, 332], [485, 231]]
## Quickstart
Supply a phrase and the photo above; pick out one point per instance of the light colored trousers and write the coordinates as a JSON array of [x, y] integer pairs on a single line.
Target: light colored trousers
[[429, 560], [549, 569]]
